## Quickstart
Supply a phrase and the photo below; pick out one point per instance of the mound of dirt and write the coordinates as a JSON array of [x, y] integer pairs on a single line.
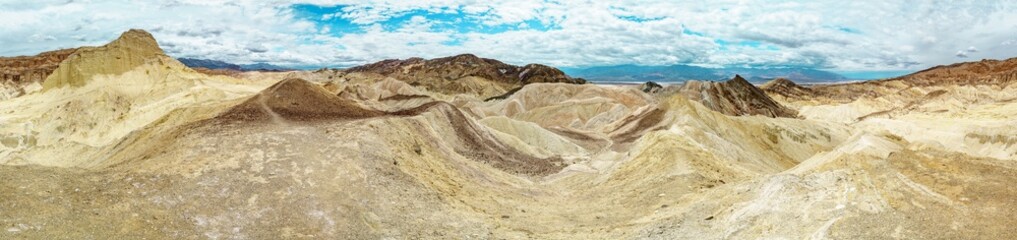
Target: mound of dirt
[[735, 97], [298, 100]]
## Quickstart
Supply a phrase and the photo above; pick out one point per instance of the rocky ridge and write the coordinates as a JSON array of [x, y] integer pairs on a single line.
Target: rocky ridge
[[455, 74], [734, 97], [997, 73]]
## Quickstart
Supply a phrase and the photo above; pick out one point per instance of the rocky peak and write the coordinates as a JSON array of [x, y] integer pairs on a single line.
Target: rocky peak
[[738, 79], [136, 39], [132, 49], [296, 99], [465, 58], [734, 97]]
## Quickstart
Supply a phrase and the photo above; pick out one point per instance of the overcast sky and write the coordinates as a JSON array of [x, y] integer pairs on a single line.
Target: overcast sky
[[834, 35]]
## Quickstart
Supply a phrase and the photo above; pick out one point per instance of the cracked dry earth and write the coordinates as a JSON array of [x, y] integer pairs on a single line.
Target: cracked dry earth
[[162, 151]]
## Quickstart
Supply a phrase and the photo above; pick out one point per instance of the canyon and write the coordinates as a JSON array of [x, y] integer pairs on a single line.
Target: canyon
[[123, 141]]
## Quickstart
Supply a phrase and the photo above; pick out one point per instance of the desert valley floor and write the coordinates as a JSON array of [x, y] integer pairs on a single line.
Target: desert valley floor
[[121, 141]]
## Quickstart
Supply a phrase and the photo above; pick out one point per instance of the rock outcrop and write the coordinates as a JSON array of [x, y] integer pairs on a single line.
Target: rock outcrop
[[650, 87], [19, 73], [735, 97], [132, 49]]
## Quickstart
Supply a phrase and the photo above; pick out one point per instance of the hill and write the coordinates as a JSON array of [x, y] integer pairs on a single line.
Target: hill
[[734, 97], [466, 73]]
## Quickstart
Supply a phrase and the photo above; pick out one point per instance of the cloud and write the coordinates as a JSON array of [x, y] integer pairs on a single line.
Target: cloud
[[837, 35], [256, 48], [964, 53]]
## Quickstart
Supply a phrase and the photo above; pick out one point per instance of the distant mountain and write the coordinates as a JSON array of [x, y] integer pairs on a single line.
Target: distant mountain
[[681, 73], [215, 64], [263, 67], [210, 64]]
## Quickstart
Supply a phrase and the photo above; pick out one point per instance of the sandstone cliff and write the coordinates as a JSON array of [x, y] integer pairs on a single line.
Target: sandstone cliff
[[131, 50]]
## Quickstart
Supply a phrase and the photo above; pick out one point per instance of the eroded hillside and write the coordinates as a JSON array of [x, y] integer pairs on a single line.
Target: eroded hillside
[[125, 142]]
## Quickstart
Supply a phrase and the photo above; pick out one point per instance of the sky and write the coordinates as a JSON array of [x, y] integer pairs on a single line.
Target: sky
[[849, 37]]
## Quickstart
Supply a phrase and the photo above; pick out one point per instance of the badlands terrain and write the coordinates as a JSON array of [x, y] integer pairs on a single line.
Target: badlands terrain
[[124, 142]]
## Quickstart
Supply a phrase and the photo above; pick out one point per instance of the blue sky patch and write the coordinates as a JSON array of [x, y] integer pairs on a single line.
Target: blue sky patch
[[848, 30], [687, 31], [442, 21], [638, 19]]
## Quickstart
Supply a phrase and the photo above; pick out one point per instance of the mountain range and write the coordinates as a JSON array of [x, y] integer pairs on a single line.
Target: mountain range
[[216, 64], [682, 73]]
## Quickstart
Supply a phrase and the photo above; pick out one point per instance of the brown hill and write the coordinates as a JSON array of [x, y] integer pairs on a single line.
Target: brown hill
[[783, 86], [457, 74], [999, 73], [734, 97], [298, 100], [996, 72]]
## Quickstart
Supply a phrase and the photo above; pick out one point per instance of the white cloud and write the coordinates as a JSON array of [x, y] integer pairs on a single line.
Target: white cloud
[[256, 48], [846, 35]]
